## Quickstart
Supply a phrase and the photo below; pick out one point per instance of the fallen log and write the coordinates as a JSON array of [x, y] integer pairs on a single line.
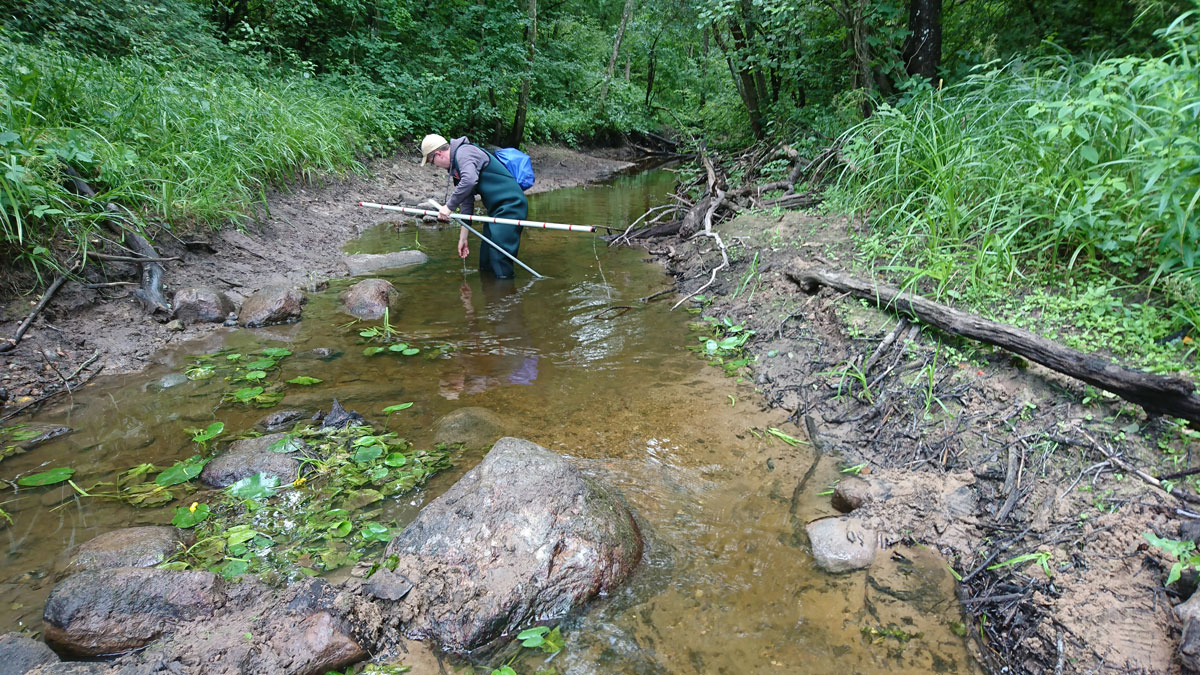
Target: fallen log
[[1156, 394]]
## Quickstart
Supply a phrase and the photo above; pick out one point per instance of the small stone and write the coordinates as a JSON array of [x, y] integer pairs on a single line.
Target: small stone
[[174, 325], [841, 544], [20, 654], [851, 493]]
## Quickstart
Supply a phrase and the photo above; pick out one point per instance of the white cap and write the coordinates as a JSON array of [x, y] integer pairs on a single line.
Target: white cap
[[429, 144]]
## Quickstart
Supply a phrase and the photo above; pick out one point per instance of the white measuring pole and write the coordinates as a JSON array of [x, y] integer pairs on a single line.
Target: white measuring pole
[[405, 209], [484, 219]]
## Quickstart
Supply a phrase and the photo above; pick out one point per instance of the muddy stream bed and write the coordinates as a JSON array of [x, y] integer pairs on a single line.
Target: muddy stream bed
[[578, 364]]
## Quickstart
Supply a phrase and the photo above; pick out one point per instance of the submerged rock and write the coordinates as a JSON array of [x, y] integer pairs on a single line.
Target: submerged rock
[[368, 263], [369, 298], [201, 305], [841, 544], [521, 537], [272, 305], [280, 420], [473, 427], [115, 610], [129, 547], [254, 455], [19, 654]]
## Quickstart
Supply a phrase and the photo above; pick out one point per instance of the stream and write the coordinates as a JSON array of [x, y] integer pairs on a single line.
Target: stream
[[578, 364]]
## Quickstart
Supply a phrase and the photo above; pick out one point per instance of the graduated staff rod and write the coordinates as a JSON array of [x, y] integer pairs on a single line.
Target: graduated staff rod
[[484, 219]]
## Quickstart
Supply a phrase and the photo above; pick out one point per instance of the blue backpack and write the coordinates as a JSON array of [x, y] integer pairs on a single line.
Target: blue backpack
[[518, 164]]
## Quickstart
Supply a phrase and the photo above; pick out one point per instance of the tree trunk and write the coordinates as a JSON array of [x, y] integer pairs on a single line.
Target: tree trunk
[[612, 61], [923, 48], [518, 128], [652, 58], [744, 78], [1157, 394]]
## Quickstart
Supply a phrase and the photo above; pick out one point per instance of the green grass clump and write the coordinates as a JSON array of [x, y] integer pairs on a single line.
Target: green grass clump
[[1041, 168], [177, 142]]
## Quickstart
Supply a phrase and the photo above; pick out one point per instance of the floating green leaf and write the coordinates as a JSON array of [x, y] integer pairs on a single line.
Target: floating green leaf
[[372, 351], [258, 486], [181, 472], [206, 435], [190, 516], [55, 475], [276, 352], [340, 528], [398, 347], [261, 364], [410, 351], [395, 459], [246, 394], [368, 453], [305, 380], [372, 531], [233, 357], [398, 407], [255, 375]]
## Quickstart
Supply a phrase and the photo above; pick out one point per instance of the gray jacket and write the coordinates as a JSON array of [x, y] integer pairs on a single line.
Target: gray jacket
[[471, 160]]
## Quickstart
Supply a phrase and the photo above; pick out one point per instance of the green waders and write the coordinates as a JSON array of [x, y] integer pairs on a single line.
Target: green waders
[[503, 198]]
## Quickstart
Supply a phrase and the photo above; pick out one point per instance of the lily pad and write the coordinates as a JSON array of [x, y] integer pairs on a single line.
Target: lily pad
[[181, 472], [258, 486]]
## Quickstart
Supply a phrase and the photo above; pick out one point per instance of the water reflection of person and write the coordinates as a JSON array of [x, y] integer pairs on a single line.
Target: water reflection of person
[[513, 361]]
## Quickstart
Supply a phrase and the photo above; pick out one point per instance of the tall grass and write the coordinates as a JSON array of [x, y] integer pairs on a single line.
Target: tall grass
[[178, 142], [1046, 165]]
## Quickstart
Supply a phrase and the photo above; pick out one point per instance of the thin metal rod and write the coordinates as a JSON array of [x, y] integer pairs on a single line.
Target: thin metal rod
[[506, 253], [464, 224], [485, 219]]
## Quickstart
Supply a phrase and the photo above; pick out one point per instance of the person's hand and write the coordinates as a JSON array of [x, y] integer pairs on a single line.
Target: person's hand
[[444, 215], [463, 249]]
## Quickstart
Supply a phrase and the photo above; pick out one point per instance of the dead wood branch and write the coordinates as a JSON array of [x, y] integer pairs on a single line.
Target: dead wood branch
[[12, 342], [149, 293], [1156, 394]]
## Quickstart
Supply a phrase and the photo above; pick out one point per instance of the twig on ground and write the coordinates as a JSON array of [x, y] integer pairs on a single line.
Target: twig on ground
[[12, 342]]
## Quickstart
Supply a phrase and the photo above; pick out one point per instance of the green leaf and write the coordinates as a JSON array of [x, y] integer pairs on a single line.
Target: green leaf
[[55, 475], [261, 364], [276, 352], [372, 531], [410, 351], [398, 347], [341, 528], [372, 351], [233, 357], [233, 568], [305, 380], [368, 453], [186, 517], [533, 637], [210, 433], [255, 375], [395, 459], [377, 473], [181, 472], [244, 395], [1089, 153], [397, 408], [258, 486], [287, 444]]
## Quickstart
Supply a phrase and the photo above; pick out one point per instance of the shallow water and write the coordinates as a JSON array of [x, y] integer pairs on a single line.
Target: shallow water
[[577, 364]]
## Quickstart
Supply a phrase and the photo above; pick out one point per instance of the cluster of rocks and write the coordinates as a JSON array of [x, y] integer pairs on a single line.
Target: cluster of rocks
[[520, 538], [278, 304], [844, 543]]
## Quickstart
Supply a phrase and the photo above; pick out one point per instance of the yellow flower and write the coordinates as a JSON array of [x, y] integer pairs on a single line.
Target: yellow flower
[[192, 508], [299, 481]]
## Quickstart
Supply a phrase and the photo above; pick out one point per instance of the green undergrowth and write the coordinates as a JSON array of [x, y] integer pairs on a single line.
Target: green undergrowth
[[1051, 167], [170, 140], [332, 516]]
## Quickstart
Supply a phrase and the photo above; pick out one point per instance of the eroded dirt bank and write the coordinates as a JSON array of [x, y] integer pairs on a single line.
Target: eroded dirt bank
[[1018, 476], [296, 241]]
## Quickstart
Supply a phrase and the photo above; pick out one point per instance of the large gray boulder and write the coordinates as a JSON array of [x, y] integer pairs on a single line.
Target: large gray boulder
[[114, 610], [473, 427], [201, 305], [250, 456], [361, 264], [521, 537], [841, 544], [369, 298], [19, 654], [272, 305], [129, 547]]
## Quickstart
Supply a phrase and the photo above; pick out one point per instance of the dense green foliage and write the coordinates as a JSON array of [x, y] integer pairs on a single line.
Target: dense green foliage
[[1083, 167]]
